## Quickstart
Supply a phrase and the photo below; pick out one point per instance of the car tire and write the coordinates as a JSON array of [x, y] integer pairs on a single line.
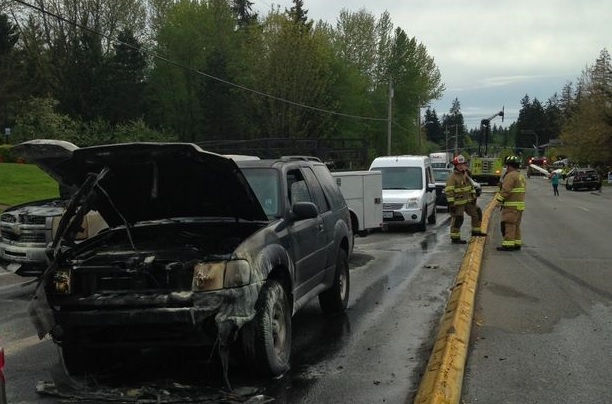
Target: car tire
[[266, 340], [432, 218], [335, 299], [422, 226]]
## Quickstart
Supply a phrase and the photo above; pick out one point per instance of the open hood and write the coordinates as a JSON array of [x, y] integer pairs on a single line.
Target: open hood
[[151, 181], [49, 156]]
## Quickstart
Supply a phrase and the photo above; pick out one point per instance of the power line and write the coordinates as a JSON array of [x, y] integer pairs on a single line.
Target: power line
[[400, 126], [190, 69]]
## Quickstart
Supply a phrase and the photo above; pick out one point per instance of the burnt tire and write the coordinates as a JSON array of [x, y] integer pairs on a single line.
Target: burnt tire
[[266, 339], [335, 299]]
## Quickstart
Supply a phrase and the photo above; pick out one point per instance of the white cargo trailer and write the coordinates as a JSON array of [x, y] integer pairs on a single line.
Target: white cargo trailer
[[362, 191]]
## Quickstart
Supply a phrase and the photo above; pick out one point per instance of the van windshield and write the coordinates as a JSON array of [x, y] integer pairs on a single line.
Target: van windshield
[[441, 175], [401, 177]]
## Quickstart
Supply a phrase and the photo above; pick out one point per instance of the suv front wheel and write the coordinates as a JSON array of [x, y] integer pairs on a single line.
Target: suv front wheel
[[267, 338], [335, 299]]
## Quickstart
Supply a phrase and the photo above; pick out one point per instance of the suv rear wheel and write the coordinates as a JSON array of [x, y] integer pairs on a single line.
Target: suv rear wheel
[[335, 299], [267, 338]]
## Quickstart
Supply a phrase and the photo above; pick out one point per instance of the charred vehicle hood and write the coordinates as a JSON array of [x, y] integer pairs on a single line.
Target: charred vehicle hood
[[151, 181]]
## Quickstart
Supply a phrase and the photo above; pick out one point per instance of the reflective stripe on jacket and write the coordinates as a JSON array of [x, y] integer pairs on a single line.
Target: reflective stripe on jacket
[[512, 193], [458, 189]]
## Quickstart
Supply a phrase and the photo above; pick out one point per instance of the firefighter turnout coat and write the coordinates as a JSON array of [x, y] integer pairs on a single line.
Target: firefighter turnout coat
[[458, 193], [512, 199]]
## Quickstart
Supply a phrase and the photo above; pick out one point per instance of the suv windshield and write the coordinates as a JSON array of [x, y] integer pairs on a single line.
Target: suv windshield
[[401, 177], [265, 184]]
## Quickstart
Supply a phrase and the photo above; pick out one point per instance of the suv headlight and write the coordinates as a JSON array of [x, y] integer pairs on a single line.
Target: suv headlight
[[219, 275], [413, 203], [237, 273]]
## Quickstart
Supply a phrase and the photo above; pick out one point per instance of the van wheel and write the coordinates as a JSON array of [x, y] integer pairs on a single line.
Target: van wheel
[[266, 339], [335, 299], [422, 226], [432, 218]]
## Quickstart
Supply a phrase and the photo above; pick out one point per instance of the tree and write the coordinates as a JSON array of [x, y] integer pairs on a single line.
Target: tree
[[434, 128], [587, 134], [299, 15], [125, 74], [8, 36], [453, 125], [10, 90], [355, 40], [244, 13]]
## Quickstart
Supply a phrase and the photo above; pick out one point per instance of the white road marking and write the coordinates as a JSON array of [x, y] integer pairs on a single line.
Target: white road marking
[[585, 209]]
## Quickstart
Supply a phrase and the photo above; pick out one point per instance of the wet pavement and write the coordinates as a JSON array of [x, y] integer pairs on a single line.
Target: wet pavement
[[374, 352]]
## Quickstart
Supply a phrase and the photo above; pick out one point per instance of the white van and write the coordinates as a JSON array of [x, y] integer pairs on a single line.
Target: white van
[[409, 190]]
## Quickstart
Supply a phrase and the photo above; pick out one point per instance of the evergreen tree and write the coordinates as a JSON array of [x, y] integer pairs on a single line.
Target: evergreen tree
[[8, 35], [10, 89], [125, 77], [244, 13], [434, 128], [453, 125], [299, 15]]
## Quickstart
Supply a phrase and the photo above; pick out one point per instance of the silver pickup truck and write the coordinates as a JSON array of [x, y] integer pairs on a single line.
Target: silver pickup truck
[[25, 232]]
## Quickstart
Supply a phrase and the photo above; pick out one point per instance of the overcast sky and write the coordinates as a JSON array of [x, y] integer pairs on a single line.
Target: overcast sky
[[492, 53]]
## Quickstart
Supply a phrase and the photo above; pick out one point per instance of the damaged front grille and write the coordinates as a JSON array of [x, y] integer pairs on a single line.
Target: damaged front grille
[[7, 218], [87, 281], [32, 219], [23, 237]]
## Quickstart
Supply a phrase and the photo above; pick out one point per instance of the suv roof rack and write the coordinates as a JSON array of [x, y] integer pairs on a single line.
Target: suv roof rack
[[303, 158]]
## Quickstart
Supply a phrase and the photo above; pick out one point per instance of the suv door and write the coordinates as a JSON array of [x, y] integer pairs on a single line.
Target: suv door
[[328, 215], [308, 237]]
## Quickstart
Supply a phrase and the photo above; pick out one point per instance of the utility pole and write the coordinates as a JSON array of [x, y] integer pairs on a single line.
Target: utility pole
[[445, 138], [419, 125], [389, 117], [456, 138]]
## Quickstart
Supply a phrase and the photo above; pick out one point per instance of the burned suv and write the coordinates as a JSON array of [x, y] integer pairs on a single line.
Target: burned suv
[[198, 252]]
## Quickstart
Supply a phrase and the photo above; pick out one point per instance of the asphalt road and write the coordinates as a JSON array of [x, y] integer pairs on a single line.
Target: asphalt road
[[374, 353], [543, 321]]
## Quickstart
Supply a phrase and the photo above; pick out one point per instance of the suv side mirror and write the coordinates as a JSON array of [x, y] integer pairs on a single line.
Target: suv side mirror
[[431, 187], [304, 210]]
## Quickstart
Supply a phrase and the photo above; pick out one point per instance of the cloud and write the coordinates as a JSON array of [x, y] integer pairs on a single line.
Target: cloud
[[493, 53]]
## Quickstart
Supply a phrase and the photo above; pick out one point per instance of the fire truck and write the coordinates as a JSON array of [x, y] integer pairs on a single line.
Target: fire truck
[[485, 167]]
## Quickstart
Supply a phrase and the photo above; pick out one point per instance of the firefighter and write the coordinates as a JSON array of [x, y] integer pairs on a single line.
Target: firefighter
[[512, 200], [472, 208], [458, 193]]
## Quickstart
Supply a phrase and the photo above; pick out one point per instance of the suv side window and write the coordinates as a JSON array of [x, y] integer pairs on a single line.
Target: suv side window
[[297, 188], [330, 188], [317, 191]]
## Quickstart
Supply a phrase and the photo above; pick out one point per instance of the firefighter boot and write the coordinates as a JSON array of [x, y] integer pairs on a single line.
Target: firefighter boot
[[458, 241]]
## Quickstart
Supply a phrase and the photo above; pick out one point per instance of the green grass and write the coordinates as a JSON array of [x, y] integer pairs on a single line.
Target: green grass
[[21, 183]]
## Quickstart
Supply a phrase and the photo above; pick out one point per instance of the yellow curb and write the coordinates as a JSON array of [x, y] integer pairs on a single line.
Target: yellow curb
[[443, 377]]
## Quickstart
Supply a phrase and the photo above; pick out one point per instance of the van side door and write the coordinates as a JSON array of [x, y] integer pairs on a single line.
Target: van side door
[[430, 193]]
